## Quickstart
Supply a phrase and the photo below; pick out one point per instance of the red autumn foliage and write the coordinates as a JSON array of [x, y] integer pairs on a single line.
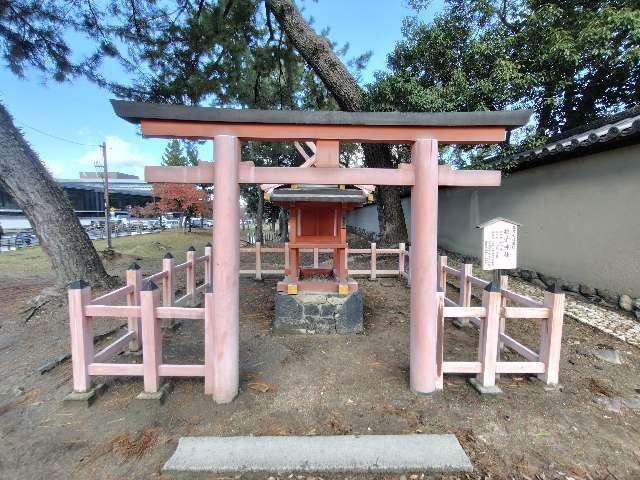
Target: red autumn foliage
[[181, 197], [150, 210]]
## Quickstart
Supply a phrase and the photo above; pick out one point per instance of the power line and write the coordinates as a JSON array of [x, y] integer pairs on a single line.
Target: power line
[[59, 138]]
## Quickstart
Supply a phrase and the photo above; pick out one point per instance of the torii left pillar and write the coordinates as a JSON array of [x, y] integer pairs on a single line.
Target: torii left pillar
[[226, 266], [424, 239]]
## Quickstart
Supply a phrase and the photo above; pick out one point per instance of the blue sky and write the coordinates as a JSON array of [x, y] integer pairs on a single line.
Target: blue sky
[[80, 111]]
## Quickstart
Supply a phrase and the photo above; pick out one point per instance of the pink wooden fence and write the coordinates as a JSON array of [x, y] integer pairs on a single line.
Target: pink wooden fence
[[148, 300], [490, 319], [495, 307], [372, 272]]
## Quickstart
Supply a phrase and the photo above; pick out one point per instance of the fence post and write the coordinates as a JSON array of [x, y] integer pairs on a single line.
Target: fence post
[[409, 271], [81, 335], [286, 256], [168, 291], [442, 274], [401, 258], [466, 270], [504, 285], [374, 261], [316, 259], [209, 354], [191, 275], [485, 382], [151, 336], [258, 262], [346, 260], [208, 275], [440, 342], [134, 279], [551, 334]]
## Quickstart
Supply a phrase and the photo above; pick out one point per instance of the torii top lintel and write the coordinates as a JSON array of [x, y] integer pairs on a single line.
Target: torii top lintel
[[178, 121], [326, 128]]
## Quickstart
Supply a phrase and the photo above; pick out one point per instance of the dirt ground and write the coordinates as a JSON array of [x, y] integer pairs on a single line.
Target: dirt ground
[[301, 385]]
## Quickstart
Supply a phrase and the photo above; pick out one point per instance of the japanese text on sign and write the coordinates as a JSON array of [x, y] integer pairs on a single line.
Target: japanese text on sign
[[499, 246]]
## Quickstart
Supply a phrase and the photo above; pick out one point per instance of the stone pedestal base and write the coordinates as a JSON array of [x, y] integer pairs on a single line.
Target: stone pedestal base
[[85, 399], [321, 313], [158, 397], [482, 390]]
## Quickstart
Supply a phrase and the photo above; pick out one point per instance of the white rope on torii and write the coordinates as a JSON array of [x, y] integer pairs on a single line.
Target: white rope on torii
[[309, 161]]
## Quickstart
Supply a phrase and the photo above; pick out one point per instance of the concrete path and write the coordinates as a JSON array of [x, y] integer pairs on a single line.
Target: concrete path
[[348, 453]]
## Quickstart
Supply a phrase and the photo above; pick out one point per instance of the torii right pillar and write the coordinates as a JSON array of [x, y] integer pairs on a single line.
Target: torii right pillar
[[424, 241]]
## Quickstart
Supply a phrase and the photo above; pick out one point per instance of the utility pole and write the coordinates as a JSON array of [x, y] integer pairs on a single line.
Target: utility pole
[[107, 207]]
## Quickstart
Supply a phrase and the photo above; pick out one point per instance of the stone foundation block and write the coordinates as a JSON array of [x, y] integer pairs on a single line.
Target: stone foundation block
[[157, 397], [84, 399], [482, 390], [325, 313]]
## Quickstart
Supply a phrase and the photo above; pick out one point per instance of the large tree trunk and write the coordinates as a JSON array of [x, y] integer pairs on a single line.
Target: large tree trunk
[[334, 74], [64, 240], [391, 221], [544, 120]]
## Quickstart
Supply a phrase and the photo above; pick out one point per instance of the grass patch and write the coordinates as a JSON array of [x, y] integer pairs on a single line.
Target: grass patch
[[147, 249]]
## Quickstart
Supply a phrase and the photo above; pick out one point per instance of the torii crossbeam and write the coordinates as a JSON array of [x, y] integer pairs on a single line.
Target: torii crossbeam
[[228, 127]]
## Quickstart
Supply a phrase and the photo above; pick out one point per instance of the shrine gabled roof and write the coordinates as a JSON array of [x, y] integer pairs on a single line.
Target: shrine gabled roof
[[134, 112], [318, 193]]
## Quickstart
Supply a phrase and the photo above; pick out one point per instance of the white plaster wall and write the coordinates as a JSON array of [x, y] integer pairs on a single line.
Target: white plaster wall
[[365, 218]]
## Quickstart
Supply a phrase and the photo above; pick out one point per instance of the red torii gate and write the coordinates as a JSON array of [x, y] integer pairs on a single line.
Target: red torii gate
[[228, 127]]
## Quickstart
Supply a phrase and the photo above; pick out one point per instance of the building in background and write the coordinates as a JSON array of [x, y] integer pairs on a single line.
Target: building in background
[[87, 194]]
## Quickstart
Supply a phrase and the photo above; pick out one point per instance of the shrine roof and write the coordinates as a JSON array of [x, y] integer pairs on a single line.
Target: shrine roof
[[318, 193], [134, 112]]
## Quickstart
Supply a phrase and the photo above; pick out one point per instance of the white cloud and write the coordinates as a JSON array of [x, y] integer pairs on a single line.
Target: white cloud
[[55, 167], [122, 156], [85, 132]]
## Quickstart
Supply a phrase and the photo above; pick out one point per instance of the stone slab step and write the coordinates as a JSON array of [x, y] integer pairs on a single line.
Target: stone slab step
[[345, 453]]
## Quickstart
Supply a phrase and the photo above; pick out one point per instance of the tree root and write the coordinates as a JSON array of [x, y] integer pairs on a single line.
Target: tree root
[[33, 309]]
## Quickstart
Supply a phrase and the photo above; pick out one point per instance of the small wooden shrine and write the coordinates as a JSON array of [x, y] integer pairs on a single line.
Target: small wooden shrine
[[317, 220]]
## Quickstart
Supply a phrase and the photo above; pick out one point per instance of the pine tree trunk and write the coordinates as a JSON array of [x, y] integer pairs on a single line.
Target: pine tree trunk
[[260, 217], [391, 221], [283, 224], [64, 240], [319, 55]]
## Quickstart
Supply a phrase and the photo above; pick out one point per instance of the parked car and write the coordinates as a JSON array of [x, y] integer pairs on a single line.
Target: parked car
[[152, 224], [23, 238], [97, 224], [171, 223]]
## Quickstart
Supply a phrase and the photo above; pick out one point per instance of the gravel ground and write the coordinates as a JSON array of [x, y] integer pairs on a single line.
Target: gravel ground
[[308, 385]]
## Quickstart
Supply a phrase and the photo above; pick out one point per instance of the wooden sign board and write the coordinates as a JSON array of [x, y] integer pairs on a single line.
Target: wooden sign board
[[499, 244]]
